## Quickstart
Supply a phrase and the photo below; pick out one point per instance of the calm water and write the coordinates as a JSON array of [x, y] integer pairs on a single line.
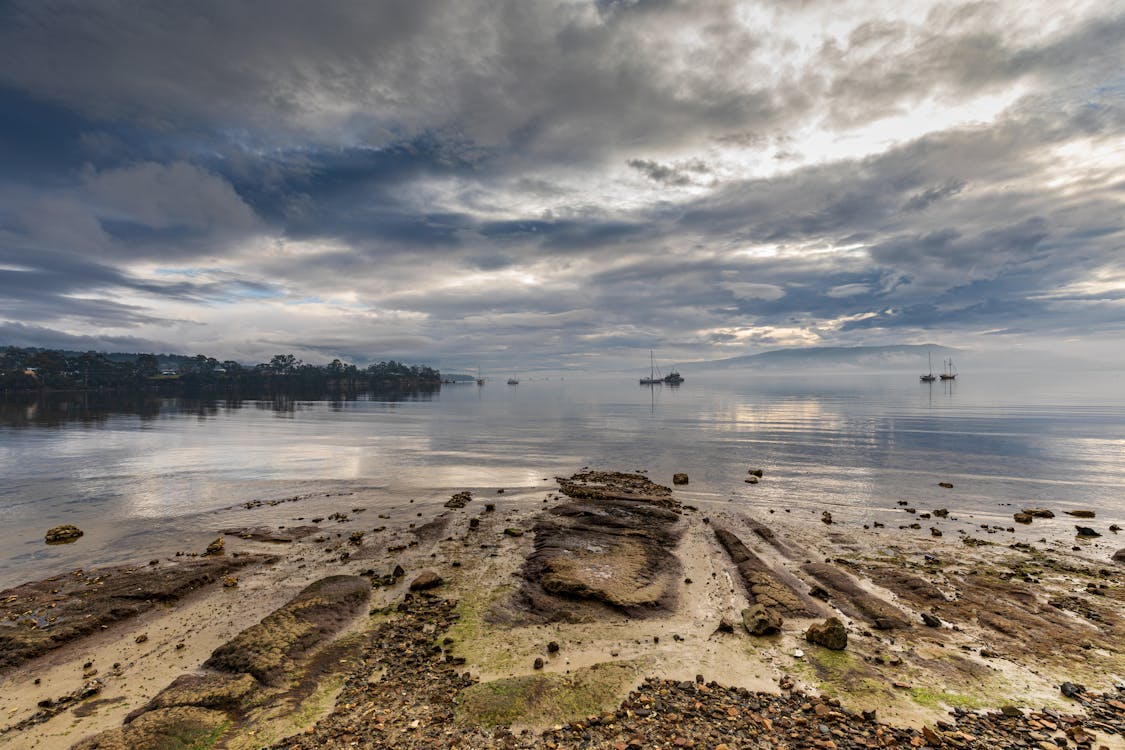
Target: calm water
[[141, 474]]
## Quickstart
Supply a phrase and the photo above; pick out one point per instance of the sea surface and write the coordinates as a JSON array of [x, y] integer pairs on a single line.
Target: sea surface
[[142, 474]]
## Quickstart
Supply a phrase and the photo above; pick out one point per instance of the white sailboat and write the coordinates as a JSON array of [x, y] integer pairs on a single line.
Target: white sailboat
[[929, 377]]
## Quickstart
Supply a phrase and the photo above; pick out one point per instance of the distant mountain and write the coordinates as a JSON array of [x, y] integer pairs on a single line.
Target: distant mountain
[[897, 357]]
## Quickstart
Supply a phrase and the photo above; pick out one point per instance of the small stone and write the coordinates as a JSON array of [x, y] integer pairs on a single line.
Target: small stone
[[1012, 711], [680, 478], [538, 663], [1082, 513], [756, 473], [1086, 532], [230, 582], [831, 634], [826, 517], [751, 480], [946, 485], [1039, 512], [512, 531], [426, 580], [553, 647], [141, 638], [930, 620], [64, 534], [1071, 689], [398, 572], [934, 531], [1022, 517], [215, 548]]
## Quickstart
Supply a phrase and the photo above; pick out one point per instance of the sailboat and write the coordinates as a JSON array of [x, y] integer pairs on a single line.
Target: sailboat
[[950, 371], [929, 377], [652, 378], [480, 380]]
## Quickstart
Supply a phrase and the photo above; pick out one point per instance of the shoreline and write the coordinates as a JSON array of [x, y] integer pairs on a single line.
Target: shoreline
[[912, 675]]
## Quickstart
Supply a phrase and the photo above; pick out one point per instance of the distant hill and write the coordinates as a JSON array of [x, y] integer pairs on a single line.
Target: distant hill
[[897, 357]]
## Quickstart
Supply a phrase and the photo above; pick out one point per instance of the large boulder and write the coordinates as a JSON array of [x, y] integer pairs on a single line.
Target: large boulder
[[426, 580], [1119, 555], [761, 620], [831, 634]]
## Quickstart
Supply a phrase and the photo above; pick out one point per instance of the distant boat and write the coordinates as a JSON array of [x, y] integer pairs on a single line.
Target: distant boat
[[653, 378], [480, 380], [929, 377], [950, 371], [512, 380], [673, 378]]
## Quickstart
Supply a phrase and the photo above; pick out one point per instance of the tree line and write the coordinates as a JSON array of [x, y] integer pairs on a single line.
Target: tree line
[[52, 369]]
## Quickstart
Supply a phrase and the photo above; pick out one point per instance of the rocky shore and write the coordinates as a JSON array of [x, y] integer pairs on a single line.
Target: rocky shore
[[607, 612]]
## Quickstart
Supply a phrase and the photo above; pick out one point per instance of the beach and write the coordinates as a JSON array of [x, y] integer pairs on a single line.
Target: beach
[[555, 614]]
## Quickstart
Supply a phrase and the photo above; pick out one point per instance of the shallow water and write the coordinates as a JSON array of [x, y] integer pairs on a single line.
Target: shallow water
[[139, 474]]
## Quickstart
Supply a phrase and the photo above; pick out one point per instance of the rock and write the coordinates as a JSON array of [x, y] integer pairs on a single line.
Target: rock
[[1114, 528], [826, 517], [756, 473], [512, 531], [761, 620], [1082, 513], [1022, 517], [426, 580], [1119, 555], [1039, 512], [941, 513], [215, 548], [230, 582], [64, 534], [934, 531], [398, 572], [553, 647], [1071, 689], [474, 523], [679, 478], [141, 638], [751, 480], [1012, 711], [930, 620], [269, 649], [831, 634], [459, 499], [538, 664], [1086, 532], [946, 485]]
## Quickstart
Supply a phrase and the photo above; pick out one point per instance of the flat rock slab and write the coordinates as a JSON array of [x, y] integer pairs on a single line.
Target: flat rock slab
[[854, 601], [610, 547], [318, 611], [47, 614], [765, 585]]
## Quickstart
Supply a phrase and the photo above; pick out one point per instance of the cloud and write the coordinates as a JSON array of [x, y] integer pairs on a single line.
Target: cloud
[[559, 178]]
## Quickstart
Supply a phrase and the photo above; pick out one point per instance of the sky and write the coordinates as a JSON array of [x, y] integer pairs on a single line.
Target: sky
[[560, 184]]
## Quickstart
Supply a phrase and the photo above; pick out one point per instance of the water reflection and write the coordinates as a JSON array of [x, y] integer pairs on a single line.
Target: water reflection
[[93, 408]]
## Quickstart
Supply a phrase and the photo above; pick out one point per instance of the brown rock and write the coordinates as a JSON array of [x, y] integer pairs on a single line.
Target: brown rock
[[831, 634], [679, 478], [426, 580], [1039, 512], [761, 620], [1119, 555], [946, 485], [64, 534], [215, 548], [1022, 517], [1081, 513]]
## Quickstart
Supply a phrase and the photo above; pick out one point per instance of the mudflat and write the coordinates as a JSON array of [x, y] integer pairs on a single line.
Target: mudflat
[[609, 611]]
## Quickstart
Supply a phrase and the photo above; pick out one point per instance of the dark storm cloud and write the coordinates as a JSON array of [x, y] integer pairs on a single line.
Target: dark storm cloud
[[567, 176]]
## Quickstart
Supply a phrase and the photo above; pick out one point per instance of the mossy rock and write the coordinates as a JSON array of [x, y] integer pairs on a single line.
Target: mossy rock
[[179, 728], [322, 609], [547, 699]]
